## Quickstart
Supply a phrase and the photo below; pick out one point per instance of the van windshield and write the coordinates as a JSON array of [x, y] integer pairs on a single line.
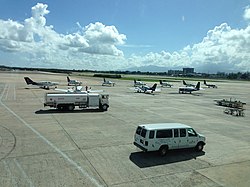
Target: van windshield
[[138, 130]]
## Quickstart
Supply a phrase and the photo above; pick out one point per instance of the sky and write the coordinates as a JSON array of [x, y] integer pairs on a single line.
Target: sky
[[210, 36]]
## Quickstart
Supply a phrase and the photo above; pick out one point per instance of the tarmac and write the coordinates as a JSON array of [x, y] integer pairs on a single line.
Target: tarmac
[[40, 146]]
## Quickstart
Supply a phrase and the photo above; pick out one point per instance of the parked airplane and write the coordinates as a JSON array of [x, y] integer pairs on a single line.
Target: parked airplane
[[41, 84], [107, 83], [145, 89], [210, 85], [188, 84], [79, 89], [163, 83], [189, 89], [73, 82], [138, 83]]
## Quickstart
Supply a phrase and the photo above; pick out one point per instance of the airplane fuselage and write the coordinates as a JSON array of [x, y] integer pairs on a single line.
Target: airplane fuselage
[[211, 86], [187, 89]]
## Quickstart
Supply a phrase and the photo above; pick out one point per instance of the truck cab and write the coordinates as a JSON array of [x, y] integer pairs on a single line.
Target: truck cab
[[104, 101]]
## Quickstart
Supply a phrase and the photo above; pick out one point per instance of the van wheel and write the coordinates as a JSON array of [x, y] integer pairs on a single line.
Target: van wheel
[[199, 146], [105, 107], [163, 150]]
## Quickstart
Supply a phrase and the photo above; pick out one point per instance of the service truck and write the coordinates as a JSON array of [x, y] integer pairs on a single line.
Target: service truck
[[68, 101]]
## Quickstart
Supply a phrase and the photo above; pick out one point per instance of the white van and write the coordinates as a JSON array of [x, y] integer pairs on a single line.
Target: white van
[[165, 136]]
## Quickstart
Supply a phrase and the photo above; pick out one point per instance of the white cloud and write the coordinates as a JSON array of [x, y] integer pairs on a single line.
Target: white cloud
[[103, 39], [39, 45], [35, 38], [76, 40], [246, 14], [183, 18], [222, 49], [99, 33], [11, 30]]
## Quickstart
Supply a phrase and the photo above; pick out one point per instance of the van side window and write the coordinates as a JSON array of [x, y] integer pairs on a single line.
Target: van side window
[[164, 134], [151, 134], [183, 133], [191, 132], [176, 133], [143, 133]]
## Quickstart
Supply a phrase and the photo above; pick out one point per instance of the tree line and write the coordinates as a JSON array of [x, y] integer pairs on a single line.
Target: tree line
[[117, 74]]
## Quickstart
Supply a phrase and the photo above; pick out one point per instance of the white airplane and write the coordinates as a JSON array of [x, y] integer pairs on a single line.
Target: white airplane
[[189, 89], [41, 84], [107, 83], [79, 89], [163, 83], [210, 85], [145, 89], [188, 84], [73, 82], [138, 83]]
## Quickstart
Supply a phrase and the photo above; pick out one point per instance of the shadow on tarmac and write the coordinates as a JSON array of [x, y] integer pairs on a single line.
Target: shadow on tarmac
[[150, 159], [55, 111], [192, 94]]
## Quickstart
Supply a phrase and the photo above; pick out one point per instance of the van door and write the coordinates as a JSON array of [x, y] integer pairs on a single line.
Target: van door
[[164, 137], [176, 139], [183, 138], [192, 137], [151, 141]]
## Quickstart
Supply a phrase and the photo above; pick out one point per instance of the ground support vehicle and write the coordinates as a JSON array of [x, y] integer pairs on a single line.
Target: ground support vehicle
[[235, 111], [230, 103], [233, 107], [165, 136], [68, 101]]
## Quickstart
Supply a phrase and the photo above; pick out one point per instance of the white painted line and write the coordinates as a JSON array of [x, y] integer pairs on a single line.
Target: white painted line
[[14, 91], [4, 90], [7, 93], [13, 181], [23, 173], [72, 162]]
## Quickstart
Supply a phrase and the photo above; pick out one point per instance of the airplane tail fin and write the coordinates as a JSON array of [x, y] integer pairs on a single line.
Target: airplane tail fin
[[104, 80], [198, 86], [28, 80], [205, 82], [134, 81], [68, 79], [160, 81], [153, 87], [184, 82]]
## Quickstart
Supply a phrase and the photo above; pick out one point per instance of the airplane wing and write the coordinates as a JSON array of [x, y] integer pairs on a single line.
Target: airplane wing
[[138, 89], [95, 91], [157, 90], [79, 88], [64, 90]]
